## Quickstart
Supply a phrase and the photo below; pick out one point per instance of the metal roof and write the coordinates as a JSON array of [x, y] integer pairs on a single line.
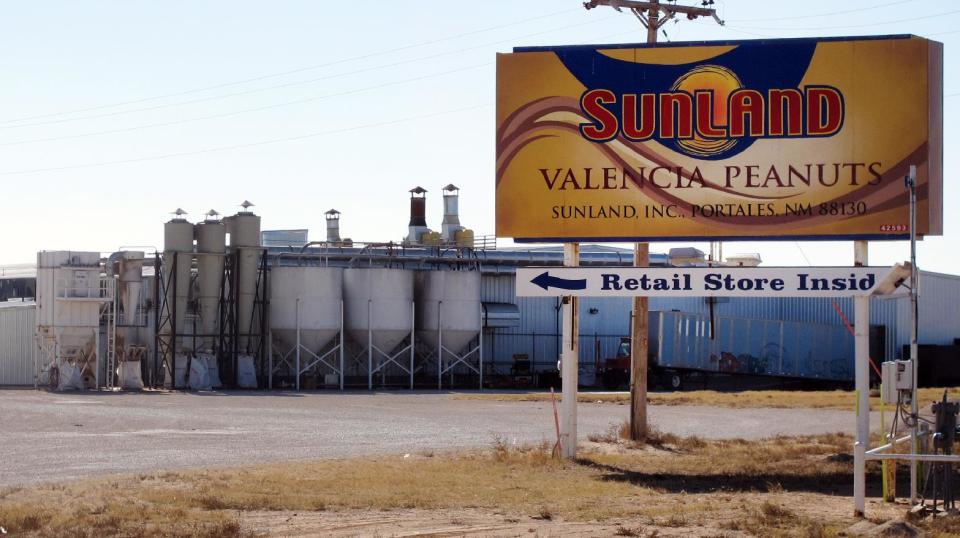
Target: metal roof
[[18, 270]]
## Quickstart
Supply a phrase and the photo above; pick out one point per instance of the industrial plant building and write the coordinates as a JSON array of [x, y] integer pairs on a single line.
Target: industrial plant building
[[227, 304]]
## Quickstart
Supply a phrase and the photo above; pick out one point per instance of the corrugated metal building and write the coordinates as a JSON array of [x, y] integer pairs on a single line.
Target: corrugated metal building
[[17, 345], [604, 321]]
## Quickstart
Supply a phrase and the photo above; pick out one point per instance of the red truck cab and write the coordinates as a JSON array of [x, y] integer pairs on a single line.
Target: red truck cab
[[615, 372]]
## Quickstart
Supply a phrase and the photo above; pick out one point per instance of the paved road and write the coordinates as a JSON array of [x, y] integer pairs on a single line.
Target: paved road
[[52, 437]]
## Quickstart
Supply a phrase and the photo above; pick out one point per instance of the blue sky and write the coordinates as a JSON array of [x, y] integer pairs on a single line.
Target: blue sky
[[113, 114]]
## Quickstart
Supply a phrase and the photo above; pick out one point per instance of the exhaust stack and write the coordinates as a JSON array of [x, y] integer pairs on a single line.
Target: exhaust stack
[[451, 213], [417, 227], [333, 226]]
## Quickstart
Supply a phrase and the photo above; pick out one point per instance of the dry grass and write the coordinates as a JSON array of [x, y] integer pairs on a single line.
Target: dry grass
[[775, 487], [772, 519], [620, 434], [826, 399]]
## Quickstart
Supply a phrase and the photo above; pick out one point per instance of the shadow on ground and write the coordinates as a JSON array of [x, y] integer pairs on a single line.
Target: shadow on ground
[[833, 483]]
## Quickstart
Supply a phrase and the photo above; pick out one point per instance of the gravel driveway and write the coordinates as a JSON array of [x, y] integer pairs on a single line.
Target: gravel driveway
[[52, 437]]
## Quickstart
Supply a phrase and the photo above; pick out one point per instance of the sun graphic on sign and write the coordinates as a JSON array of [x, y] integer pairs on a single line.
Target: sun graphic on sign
[[722, 82]]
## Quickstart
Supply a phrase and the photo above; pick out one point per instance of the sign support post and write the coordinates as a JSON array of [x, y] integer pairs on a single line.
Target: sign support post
[[569, 361], [638, 354], [861, 315]]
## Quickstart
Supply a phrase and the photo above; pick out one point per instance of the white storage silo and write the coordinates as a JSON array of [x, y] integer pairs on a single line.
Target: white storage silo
[[211, 248], [211, 236], [378, 305], [244, 229], [177, 261], [449, 316], [306, 313]]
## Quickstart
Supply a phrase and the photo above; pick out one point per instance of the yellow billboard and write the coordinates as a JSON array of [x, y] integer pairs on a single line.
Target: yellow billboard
[[788, 138]]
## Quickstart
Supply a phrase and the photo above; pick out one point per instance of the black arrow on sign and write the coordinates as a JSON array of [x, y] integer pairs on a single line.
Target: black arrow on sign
[[545, 281]]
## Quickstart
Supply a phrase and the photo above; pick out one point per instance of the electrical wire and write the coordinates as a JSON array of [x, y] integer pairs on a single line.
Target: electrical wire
[[865, 25], [245, 145], [893, 424], [737, 30], [802, 253], [256, 109], [247, 110], [293, 71], [288, 84], [816, 15], [232, 113]]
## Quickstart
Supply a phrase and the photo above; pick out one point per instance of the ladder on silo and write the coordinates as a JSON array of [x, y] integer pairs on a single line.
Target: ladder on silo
[[110, 319]]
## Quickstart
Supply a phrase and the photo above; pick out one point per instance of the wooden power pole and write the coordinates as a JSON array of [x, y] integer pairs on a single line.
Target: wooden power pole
[[649, 13]]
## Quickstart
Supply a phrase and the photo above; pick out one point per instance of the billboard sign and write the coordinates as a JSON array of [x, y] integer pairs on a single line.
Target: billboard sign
[[708, 281], [772, 139]]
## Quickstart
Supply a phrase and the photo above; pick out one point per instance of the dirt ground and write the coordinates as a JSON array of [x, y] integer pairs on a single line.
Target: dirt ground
[[669, 486], [461, 522], [473, 522]]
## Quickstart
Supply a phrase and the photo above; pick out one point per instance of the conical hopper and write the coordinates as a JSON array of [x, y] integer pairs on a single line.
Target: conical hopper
[[131, 281], [379, 300], [319, 290], [449, 300]]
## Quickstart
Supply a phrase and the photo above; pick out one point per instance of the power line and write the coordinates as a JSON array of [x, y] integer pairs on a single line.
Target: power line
[[245, 145], [879, 23], [260, 108], [737, 30], [247, 110], [816, 15], [292, 71], [802, 253], [295, 83]]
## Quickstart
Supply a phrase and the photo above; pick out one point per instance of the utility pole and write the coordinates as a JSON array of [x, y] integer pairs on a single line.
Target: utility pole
[[649, 14]]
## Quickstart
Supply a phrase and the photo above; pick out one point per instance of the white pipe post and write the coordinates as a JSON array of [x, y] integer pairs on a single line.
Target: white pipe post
[[270, 358], [96, 359], [342, 344], [369, 346], [914, 330], [439, 350], [413, 317], [480, 348], [569, 357], [861, 307], [298, 344]]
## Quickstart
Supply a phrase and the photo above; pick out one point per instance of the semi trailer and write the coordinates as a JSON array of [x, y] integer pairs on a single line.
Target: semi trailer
[[681, 344]]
